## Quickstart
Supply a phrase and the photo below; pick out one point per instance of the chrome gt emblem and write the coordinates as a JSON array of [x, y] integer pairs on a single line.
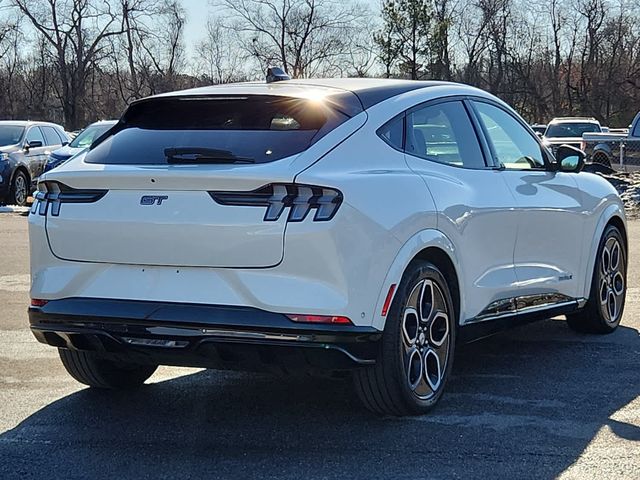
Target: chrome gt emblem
[[153, 199]]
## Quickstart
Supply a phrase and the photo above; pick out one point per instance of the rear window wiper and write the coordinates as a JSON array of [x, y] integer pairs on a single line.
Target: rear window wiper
[[195, 155]]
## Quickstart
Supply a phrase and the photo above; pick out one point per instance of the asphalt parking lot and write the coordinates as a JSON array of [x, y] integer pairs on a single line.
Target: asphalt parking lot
[[536, 402]]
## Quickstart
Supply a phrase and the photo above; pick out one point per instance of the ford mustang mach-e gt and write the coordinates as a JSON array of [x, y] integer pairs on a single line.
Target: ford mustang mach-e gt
[[355, 224]]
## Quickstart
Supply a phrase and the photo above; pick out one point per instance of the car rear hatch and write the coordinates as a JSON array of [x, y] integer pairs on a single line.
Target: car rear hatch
[[186, 181]]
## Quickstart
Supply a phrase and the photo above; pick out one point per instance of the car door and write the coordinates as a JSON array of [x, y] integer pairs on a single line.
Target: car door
[[34, 156], [475, 206], [549, 206]]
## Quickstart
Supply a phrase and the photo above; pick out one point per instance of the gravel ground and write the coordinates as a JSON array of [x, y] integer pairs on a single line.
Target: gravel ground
[[628, 186]]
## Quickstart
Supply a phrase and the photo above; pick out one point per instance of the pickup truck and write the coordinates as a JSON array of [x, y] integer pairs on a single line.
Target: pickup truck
[[619, 151]]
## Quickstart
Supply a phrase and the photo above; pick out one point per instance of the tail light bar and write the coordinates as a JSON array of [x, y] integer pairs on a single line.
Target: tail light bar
[[55, 194], [276, 197]]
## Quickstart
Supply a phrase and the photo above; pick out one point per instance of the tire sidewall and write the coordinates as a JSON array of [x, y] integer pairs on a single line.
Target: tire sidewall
[[416, 272], [609, 232], [12, 196]]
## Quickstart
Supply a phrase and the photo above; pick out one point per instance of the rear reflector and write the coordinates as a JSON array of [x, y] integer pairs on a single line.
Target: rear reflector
[[319, 319], [38, 302], [387, 301]]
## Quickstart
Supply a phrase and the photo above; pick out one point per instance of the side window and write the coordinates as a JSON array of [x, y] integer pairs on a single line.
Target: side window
[[34, 135], [392, 132], [443, 133], [636, 129], [50, 135], [514, 146], [62, 136]]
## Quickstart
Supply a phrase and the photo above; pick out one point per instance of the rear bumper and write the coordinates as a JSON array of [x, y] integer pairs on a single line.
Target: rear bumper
[[195, 335]]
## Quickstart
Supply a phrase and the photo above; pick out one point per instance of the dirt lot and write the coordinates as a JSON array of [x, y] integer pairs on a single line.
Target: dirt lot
[[537, 402]]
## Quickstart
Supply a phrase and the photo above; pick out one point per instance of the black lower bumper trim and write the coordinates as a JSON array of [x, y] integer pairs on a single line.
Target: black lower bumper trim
[[201, 335]]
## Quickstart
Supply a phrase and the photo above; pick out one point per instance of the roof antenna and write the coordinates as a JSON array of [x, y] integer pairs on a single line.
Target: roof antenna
[[276, 74]]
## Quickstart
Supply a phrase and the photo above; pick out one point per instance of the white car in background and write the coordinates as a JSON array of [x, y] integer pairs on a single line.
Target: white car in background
[[568, 131], [351, 224]]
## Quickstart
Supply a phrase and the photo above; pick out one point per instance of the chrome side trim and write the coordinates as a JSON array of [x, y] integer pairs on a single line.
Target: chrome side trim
[[526, 304]]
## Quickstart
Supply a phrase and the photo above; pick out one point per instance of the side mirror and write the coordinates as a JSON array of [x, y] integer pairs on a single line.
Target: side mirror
[[65, 143], [569, 159], [33, 144]]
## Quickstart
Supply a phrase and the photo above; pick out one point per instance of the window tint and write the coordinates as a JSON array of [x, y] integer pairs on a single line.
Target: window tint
[[443, 133], [257, 128], [514, 146], [50, 136], [10, 134], [570, 129], [86, 137], [63, 136], [34, 135], [392, 132]]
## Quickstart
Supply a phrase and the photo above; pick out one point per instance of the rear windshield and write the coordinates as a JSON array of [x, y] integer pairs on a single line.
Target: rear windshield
[[256, 129], [10, 134], [571, 129]]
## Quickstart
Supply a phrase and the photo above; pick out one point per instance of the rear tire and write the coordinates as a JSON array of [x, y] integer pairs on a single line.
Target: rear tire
[[417, 347], [97, 372], [19, 189], [605, 305]]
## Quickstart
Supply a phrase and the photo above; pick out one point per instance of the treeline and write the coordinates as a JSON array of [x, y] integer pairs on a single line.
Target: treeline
[[75, 61]]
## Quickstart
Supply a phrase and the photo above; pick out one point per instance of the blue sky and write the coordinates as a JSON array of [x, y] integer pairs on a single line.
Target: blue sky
[[197, 13]]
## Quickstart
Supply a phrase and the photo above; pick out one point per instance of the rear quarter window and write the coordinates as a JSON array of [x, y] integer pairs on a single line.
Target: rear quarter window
[[260, 128], [50, 136]]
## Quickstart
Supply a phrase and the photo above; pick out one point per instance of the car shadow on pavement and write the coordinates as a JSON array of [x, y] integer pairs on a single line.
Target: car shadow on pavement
[[524, 404]]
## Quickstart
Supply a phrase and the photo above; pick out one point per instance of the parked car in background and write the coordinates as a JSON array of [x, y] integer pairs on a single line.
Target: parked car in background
[[539, 128], [620, 151], [402, 214], [568, 131], [24, 149], [83, 140]]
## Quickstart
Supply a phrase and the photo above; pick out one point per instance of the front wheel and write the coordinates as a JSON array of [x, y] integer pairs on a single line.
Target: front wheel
[[417, 347], [603, 311], [98, 372], [19, 189]]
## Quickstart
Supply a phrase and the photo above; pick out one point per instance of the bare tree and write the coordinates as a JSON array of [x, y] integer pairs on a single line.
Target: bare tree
[[217, 55], [305, 37], [74, 33]]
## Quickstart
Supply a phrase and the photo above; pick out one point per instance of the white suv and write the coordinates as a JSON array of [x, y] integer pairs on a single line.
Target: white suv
[[321, 225]]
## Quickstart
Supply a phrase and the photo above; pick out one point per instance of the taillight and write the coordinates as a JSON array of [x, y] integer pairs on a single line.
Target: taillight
[[276, 197], [38, 302], [53, 194], [319, 319], [583, 145]]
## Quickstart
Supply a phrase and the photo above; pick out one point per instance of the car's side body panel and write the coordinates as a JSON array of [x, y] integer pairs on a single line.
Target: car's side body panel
[[550, 209]]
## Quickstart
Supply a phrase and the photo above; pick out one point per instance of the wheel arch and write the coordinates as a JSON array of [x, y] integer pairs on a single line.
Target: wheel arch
[[23, 169], [613, 215], [431, 245], [602, 148], [441, 259], [617, 222]]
